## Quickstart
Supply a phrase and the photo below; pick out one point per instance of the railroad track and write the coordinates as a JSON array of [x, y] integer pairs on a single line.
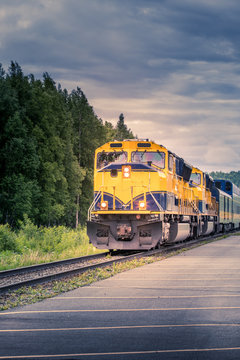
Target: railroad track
[[35, 274], [31, 275]]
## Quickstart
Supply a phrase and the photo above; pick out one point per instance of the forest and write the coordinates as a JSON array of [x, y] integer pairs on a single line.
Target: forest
[[47, 141]]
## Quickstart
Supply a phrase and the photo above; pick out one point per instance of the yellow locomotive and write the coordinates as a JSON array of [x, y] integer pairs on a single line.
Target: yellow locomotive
[[146, 196]]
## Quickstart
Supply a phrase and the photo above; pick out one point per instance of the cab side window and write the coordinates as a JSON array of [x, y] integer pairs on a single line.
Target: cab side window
[[170, 162]]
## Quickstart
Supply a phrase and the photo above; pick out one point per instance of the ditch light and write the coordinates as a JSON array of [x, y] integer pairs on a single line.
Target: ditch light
[[104, 205], [142, 205]]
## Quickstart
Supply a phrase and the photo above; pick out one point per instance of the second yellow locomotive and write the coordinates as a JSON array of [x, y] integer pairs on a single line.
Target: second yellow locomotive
[[146, 196]]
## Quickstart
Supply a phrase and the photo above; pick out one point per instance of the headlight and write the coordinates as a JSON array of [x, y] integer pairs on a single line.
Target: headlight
[[142, 205], [126, 172], [104, 205]]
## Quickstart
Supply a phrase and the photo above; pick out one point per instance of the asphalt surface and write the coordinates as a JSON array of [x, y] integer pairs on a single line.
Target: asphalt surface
[[185, 307]]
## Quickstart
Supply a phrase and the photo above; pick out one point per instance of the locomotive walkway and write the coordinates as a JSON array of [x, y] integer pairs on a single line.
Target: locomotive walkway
[[185, 307]]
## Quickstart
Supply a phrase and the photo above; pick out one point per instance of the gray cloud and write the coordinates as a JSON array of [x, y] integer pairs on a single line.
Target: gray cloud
[[171, 67]]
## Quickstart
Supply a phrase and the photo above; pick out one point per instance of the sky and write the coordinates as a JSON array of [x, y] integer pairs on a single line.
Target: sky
[[172, 67]]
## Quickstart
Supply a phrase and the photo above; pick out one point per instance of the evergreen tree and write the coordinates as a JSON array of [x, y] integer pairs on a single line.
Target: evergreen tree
[[110, 132], [122, 132], [89, 134], [19, 159]]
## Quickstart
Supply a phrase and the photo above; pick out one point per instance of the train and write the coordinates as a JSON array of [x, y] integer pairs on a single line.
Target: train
[[146, 196]]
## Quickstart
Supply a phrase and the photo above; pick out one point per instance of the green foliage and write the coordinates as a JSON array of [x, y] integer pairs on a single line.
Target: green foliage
[[233, 176], [46, 240], [32, 245], [7, 239], [47, 143]]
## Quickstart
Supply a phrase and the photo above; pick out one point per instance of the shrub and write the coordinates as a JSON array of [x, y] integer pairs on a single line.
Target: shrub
[[31, 244], [7, 239], [29, 235]]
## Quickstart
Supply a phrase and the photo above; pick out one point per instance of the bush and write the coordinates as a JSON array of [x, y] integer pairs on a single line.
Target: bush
[[28, 236], [32, 245], [45, 240], [7, 239]]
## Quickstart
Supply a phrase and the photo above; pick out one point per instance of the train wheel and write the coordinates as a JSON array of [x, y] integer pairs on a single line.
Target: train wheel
[[158, 246], [195, 232]]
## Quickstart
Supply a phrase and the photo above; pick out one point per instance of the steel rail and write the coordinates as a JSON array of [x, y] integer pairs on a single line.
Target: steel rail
[[31, 268], [72, 272], [66, 273]]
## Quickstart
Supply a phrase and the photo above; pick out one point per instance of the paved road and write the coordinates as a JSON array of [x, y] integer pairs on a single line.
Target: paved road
[[185, 307]]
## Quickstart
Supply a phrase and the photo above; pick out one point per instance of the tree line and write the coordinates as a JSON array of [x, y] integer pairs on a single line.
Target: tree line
[[233, 176], [47, 142]]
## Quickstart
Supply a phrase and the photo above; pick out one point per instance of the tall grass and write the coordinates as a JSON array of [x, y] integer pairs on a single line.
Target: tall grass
[[31, 244]]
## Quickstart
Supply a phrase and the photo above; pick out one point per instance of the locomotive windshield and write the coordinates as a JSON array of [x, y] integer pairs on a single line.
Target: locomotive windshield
[[105, 158], [196, 178], [151, 158]]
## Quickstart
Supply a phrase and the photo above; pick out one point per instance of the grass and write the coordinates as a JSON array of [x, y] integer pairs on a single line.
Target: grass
[[31, 257], [32, 245]]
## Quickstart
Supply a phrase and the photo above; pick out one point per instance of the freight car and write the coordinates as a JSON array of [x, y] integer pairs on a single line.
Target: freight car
[[145, 196]]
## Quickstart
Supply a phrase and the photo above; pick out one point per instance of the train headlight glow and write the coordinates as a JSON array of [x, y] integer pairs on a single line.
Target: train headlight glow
[[126, 172], [104, 205], [142, 205]]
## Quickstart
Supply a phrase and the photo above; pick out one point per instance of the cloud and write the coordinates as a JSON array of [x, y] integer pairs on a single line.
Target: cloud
[[172, 67]]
